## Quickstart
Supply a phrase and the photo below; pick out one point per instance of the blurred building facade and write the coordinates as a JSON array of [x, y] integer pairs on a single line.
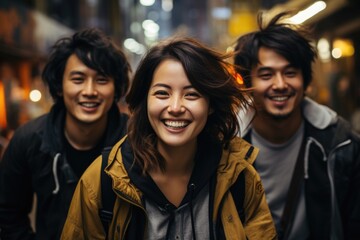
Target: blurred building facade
[[29, 27]]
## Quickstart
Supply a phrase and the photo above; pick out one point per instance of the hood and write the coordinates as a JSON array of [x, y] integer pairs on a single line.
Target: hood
[[53, 131], [54, 139], [239, 155], [116, 126], [318, 115], [245, 116], [206, 162]]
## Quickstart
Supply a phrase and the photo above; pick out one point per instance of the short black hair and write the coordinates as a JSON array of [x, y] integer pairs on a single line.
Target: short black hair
[[291, 41], [95, 50]]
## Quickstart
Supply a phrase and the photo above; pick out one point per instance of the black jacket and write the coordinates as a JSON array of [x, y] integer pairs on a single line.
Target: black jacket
[[331, 174], [35, 163], [332, 182]]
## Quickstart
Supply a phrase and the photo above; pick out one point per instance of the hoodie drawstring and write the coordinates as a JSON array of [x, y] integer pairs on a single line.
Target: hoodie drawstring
[[171, 220], [307, 149], [172, 213], [54, 169], [192, 189]]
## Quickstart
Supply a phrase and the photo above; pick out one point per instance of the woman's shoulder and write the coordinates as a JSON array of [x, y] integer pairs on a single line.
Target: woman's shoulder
[[243, 150]]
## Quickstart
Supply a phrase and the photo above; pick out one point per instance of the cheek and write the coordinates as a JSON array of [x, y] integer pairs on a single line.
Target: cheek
[[153, 109], [68, 92], [260, 86], [107, 91], [258, 93], [201, 111]]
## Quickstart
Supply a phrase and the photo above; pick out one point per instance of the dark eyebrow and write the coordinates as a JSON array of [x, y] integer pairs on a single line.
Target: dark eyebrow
[[76, 73], [264, 68], [160, 85], [260, 69], [167, 86]]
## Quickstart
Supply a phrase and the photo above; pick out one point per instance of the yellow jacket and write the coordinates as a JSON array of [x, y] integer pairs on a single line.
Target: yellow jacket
[[83, 221]]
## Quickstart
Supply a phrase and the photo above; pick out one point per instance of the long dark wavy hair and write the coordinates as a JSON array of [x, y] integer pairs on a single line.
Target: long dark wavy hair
[[293, 42], [208, 72]]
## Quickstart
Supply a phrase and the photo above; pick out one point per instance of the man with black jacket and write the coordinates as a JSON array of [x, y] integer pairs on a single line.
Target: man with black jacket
[[87, 74], [309, 159]]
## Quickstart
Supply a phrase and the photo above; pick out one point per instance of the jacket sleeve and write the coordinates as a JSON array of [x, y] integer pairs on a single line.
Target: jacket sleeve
[[352, 217], [83, 221], [16, 193], [258, 220]]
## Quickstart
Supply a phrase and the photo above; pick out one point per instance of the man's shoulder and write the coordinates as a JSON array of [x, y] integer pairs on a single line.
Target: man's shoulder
[[318, 115], [345, 126], [34, 125], [335, 134]]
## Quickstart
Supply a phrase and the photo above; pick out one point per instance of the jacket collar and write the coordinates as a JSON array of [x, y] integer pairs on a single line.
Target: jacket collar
[[206, 163], [319, 116], [53, 130], [54, 127]]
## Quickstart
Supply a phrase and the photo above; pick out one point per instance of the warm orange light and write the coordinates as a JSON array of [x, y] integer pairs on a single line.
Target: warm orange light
[[3, 122], [345, 47], [237, 76]]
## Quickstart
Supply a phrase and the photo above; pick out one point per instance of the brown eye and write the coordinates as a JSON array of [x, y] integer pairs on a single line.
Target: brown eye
[[290, 73], [192, 95], [265, 76], [161, 94], [102, 80], [77, 80]]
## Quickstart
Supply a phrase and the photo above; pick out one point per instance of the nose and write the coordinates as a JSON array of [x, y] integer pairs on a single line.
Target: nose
[[279, 82], [89, 88], [176, 105]]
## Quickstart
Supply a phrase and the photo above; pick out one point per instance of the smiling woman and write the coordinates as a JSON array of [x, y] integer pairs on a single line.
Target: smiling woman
[[173, 173], [176, 110]]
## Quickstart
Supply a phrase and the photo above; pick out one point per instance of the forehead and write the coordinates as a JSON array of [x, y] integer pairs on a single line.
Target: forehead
[[268, 58], [74, 65], [170, 72]]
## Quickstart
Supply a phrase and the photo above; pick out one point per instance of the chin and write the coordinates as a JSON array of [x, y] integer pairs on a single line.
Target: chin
[[280, 115]]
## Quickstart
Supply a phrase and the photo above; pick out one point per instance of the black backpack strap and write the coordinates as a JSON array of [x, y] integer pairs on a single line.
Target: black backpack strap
[[293, 195], [238, 189], [238, 193], [107, 194]]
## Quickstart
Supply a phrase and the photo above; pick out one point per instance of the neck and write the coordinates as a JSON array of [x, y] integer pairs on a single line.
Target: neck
[[179, 160], [84, 136], [277, 130]]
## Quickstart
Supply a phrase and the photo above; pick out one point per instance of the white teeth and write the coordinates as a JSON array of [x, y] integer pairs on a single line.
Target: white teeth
[[279, 99], [89, 105], [176, 124]]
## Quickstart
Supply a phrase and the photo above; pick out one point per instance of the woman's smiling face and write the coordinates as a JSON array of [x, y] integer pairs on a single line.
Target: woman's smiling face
[[176, 110]]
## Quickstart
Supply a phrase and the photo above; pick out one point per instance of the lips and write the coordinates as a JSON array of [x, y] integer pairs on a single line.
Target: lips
[[176, 124], [279, 98], [89, 104]]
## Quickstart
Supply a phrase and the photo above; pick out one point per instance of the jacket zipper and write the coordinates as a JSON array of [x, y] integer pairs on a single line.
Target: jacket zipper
[[306, 155], [126, 198], [336, 227], [336, 232]]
